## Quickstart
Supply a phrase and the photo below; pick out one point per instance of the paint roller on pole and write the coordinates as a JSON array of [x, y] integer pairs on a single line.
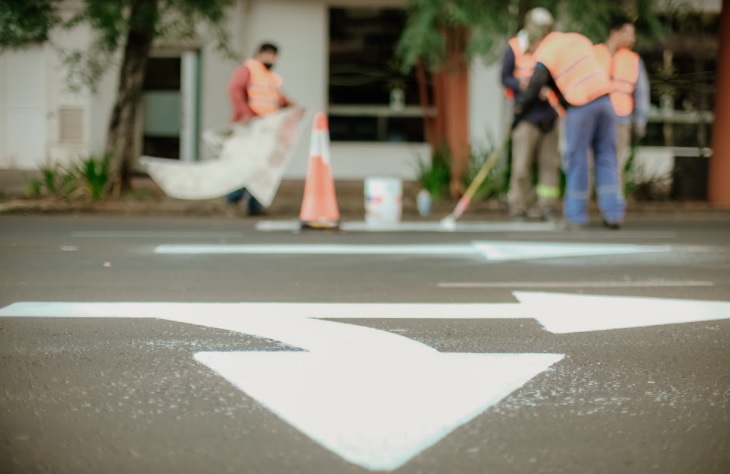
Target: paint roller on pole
[[449, 222]]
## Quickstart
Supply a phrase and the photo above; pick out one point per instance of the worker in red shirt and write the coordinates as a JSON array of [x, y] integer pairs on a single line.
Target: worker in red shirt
[[254, 90]]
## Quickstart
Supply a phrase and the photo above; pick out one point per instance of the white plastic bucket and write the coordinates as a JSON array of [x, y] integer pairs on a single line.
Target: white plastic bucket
[[383, 201]]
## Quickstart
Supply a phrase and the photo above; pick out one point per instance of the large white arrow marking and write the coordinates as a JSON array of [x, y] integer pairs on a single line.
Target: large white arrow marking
[[493, 250], [375, 398]]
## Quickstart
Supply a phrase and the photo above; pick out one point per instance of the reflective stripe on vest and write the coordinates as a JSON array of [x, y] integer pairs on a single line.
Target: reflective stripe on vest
[[524, 69], [573, 65], [262, 88], [623, 69]]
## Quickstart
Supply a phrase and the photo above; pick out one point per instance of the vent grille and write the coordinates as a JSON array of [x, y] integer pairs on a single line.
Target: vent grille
[[71, 125]]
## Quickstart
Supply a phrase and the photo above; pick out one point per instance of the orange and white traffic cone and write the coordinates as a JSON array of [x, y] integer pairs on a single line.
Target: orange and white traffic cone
[[319, 205]]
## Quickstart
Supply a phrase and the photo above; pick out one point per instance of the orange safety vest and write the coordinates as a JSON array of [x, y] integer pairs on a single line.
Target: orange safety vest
[[623, 70], [524, 68], [574, 67], [263, 88]]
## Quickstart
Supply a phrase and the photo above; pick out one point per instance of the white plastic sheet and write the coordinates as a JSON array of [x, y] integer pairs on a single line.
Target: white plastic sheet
[[254, 155]]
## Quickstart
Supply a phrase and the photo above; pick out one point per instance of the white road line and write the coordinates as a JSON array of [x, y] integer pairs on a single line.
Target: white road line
[[134, 234], [492, 251], [271, 310], [319, 249], [577, 284]]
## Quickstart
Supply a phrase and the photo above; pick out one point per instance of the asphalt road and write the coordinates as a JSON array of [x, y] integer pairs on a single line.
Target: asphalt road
[[223, 348]]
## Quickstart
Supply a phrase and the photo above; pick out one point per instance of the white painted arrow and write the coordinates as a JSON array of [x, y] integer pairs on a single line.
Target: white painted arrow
[[493, 251], [377, 412], [374, 398], [565, 313], [556, 312]]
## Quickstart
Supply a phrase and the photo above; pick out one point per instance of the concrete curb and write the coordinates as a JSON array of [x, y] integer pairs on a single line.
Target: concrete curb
[[349, 209]]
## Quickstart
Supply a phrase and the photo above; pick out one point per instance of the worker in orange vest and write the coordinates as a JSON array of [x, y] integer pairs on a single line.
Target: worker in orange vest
[[535, 138], [630, 94], [566, 62], [254, 90]]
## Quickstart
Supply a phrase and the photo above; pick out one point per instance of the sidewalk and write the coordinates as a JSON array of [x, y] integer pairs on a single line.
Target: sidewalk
[[147, 199]]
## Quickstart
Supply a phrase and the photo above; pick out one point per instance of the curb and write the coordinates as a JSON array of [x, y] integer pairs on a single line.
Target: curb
[[349, 209]]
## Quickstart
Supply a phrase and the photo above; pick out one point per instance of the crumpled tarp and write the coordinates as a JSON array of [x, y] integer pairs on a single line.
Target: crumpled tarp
[[251, 155]]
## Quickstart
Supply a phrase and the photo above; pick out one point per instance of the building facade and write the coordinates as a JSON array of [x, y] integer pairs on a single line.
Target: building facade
[[335, 56]]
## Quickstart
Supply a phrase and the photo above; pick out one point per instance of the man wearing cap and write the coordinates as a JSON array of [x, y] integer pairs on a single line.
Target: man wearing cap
[[566, 62], [630, 86], [535, 138]]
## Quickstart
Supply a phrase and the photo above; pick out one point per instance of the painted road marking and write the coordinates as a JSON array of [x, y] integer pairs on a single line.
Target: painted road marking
[[578, 284], [583, 313], [556, 312], [375, 398], [414, 395], [378, 413], [492, 250]]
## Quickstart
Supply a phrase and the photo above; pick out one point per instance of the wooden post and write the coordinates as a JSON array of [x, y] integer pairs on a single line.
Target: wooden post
[[719, 169]]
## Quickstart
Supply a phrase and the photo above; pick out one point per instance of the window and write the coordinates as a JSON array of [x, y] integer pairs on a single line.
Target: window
[[682, 70], [162, 83], [370, 99]]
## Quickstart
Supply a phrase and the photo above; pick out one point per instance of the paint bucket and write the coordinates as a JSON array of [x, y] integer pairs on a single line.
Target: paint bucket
[[383, 201]]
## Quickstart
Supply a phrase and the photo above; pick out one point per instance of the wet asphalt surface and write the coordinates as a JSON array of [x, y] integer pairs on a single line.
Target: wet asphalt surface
[[123, 395]]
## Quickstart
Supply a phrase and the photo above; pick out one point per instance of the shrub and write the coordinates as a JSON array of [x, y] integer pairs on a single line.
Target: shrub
[[55, 181], [89, 176], [93, 173], [497, 181], [434, 176]]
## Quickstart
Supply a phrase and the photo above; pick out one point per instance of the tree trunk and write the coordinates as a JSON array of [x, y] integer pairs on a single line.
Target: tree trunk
[[429, 126], [456, 106], [719, 172], [120, 134], [439, 100]]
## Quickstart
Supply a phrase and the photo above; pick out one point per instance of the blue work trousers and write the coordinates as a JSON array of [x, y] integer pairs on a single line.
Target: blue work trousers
[[254, 207], [591, 126]]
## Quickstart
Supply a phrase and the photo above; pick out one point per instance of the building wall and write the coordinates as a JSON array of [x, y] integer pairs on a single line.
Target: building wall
[[299, 27], [34, 101], [23, 98]]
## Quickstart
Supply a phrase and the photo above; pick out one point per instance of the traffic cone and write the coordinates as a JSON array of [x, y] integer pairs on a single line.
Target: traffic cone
[[319, 205]]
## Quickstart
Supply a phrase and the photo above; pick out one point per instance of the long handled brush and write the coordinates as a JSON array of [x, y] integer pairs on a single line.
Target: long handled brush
[[449, 222]]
